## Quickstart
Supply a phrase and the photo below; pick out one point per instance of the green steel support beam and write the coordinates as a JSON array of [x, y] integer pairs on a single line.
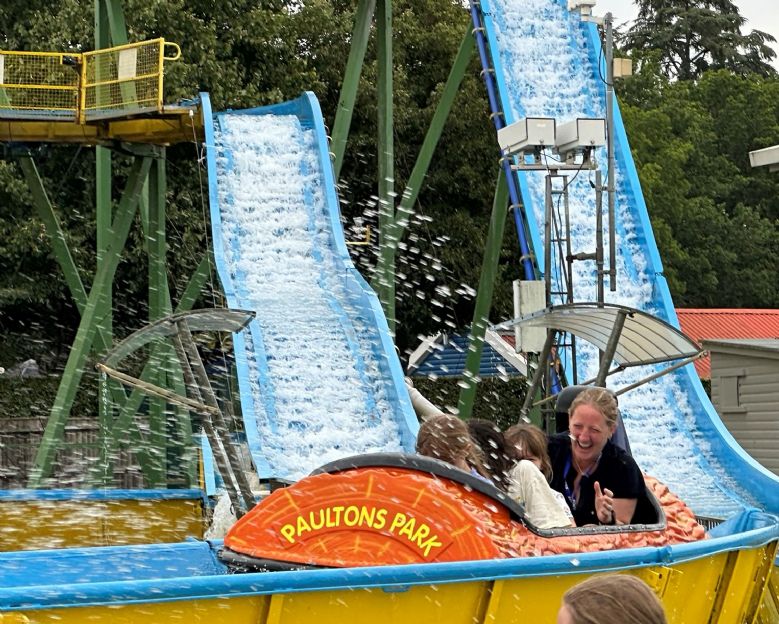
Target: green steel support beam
[[59, 245], [72, 278], [104, 216], [489, 269], [343, 115], [74, 369], [386, 262], [116, 24], [187, 454], [103, 211], [386, 157], [199, 278], [159, 307], [159, 293], [425, 157], [62, 254]]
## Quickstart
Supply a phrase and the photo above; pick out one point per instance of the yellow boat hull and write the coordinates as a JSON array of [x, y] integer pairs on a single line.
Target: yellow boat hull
[[73, 519], [724, 587]]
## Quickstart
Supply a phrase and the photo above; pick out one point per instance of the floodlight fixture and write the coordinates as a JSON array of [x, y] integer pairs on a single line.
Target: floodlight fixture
[[768, 157], [530, 134], [583, 6], [622, 67], [580, 136]]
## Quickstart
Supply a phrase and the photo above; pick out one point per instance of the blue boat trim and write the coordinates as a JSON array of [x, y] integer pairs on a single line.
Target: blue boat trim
[[755, 529], [100, 495]]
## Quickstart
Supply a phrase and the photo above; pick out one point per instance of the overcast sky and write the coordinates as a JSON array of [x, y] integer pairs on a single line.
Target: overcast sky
[[760, 14]]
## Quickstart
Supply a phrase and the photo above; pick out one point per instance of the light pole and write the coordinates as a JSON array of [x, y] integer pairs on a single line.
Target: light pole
[[607, 23]]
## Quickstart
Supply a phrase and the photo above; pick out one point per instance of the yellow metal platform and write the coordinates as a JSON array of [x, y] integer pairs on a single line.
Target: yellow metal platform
[[100, 97], [174, 124]]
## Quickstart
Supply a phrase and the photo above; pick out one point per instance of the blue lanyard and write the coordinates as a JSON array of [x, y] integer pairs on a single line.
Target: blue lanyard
[[571, 496]]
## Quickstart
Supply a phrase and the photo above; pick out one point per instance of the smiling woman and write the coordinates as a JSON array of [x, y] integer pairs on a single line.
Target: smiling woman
[[600, 482]]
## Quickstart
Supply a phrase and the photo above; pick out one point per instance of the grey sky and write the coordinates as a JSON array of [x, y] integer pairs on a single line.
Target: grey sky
[[760, 14]]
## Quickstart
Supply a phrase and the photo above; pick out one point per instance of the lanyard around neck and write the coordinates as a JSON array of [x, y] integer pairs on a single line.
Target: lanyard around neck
[[573, 495]]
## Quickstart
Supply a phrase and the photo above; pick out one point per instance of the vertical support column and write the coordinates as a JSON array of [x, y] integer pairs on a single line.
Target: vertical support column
[[343, 115], [599, 234], [548, 206], [609, 54], [481, 311], [386, 156], [159, 307], [104, 216]]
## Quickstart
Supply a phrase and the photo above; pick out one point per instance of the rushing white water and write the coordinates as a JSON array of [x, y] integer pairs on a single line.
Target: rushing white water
[[548, 73], [316, 389]]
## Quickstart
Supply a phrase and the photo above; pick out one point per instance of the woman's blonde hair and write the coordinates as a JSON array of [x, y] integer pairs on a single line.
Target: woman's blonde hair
[[601, 399], [613, 598], [446, 437], [529, 441]]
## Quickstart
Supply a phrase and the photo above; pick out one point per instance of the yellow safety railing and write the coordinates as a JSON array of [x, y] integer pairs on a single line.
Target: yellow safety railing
[[32, 83], [113, 82], [124, 80]]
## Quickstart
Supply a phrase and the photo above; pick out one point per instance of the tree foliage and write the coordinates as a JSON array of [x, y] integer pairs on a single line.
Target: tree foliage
[[716, 221], [694, 36], [247, 54]]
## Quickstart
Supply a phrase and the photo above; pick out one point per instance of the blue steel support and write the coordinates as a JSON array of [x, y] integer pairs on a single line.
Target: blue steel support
[[511, 180], [497, 120]]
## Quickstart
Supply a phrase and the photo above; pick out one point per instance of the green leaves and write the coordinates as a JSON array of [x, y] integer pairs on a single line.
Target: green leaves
[[693, 36], [716, 220]]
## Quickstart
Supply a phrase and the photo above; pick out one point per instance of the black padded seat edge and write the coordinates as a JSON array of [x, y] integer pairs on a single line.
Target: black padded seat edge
[[238, 562], [430, 465], [648, 505]]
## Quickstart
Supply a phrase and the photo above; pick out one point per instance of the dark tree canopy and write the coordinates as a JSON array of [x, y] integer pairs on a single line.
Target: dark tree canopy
[[693, 36], [715, 219]]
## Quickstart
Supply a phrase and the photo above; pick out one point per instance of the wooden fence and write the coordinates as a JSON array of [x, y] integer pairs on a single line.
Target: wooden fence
[[19, 441]]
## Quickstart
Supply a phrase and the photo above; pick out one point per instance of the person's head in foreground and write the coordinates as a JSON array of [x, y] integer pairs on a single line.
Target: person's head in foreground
[[611, 599], [446, 437]]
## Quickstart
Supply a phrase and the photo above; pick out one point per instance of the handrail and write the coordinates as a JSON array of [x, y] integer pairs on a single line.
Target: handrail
[[111, 82]]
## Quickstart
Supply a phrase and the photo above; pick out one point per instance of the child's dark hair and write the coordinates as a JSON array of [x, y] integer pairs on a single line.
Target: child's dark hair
[[497, 460]]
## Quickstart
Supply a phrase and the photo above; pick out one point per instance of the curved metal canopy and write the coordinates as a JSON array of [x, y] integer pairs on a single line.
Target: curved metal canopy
[[196, 321], [644, 339]]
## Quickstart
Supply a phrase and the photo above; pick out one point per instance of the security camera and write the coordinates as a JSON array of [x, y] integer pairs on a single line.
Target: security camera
[[768, 157], [580, 135], [527, 135]]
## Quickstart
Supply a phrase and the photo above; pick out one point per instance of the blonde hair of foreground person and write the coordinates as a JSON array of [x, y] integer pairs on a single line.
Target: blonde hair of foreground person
[[611, 599], [446, 437]]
